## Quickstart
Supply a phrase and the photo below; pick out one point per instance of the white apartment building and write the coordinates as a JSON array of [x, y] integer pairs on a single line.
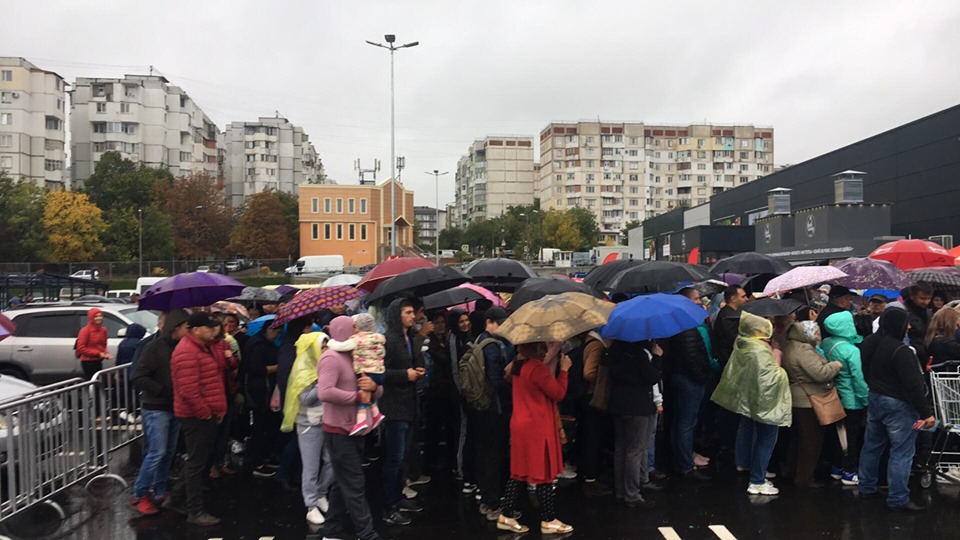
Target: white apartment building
[[633, 171], [32, 123], [146, 119], [269, 153], [496, 173], [428, 224]]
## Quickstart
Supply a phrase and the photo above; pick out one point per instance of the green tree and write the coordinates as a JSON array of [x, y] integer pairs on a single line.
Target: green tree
[[586, 224], [560, 231], [451, 238], [157, 235], [73, 225], [262, 232], [118, 182], [200, 215], [122, 234], [291, 212], [21, 220]]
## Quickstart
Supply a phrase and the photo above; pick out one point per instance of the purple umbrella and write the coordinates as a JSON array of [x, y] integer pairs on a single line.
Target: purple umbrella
[[284, 289], [732, 278], [863, 273], [189, 290]]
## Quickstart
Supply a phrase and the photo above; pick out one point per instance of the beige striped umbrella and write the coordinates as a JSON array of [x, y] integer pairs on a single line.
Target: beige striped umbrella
[[556, 317]]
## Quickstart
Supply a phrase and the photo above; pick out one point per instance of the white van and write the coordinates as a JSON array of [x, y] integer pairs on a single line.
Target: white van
[[144, 283], [121, 293], [316, 265]]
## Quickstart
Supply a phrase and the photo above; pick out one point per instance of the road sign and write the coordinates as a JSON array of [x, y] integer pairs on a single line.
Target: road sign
[[465, 247]]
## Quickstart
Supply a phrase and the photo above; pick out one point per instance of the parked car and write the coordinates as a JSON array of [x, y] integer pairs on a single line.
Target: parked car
[[217, 268], [41, 349], [86, 274], [121, 293], [232, 266], [203, 268]]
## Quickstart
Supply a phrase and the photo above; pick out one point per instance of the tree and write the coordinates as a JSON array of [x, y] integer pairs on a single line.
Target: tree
[[21, 220], [73, 225], [451, 238], [560, 231], [120, 183], [200, 215], [624, 232], [157, 235], [262, 232], [291, 212], [121, 235], [586, 223]]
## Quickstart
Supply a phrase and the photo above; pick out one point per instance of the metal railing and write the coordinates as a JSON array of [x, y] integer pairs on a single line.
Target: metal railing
[[121, 422]]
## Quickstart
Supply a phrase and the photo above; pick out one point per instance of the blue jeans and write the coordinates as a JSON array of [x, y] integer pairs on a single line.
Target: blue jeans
[[396, 433], [161, 431], [889, 420], [755, 442], [688, 396]]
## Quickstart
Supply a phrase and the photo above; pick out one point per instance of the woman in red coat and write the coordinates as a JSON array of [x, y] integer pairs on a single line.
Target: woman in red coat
[[535, 456], [92, 344]]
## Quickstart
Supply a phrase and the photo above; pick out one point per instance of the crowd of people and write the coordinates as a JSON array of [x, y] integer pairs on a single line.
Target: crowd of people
[[315, 401]]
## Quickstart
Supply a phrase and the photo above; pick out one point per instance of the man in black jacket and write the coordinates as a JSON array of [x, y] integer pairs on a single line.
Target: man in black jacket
[[726, 328], [917, 303], [896, 403], [841, 298], [151, 376], [688, 368]]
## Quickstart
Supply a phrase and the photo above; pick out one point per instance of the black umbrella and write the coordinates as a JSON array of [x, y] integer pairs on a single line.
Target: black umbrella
[[499, 275], [656, 276], [945, 279], [450, 297], [419, 282], [601, 276], [254, 295], [538, 287], [751, 263], [756, 283], [772, 307]]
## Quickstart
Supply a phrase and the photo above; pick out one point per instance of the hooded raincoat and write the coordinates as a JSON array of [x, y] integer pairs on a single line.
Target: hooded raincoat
[[752, 383], [303, 376], [92, 340], [841, 347]]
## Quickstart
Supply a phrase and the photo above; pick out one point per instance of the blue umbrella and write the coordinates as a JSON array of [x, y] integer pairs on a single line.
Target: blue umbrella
[[193, 289], [890, 294], [254, 326], [652, 316]]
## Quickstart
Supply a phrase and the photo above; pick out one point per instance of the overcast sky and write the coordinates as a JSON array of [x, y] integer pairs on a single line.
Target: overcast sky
[[822, 73]]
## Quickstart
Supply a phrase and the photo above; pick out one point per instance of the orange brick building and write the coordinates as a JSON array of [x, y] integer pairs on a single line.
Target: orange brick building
[[353, 221]]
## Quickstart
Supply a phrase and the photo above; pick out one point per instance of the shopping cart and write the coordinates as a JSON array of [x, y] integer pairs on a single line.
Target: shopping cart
[[944, 456]]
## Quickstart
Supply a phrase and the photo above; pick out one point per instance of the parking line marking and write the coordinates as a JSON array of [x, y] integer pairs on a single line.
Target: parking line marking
[[668, 533], [722, 532]]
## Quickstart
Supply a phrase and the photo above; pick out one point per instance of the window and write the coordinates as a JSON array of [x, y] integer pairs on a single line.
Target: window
[[6, 162], [101, 108], [701, 178], [315, 231], [634, 190], [351, 206], [670, 143], [326, 231], [590, 177], [6, 97], [326, 207], [6, 119], [744, 143], [744, 166], [744, 179], [6, 141], [634, 177], [684, 141], [53, 325], [363, 206], [590, 139], [351, 232], [339, 206], [315, 206], [52, 165], [250, 145], [701, 191], [110, 322], [185, 156], [701, 166], [363, 231], [591, 163], [130, 91], [251, 171], [125, 108], [339, 231], [571, 176], [634, 202], [633, 140], [6, 75], [591, 189]]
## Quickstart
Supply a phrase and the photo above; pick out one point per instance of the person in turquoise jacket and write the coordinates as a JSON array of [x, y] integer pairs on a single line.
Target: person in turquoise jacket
[[841, 347]]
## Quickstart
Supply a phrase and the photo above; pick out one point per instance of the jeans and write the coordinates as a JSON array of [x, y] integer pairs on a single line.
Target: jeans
[[397, 432], [220, 447], [632, 435], [199, 436], [755, 442], [161, 431], [889, 420], [652, 450], [317, 471], [687, 399], [347, 493]]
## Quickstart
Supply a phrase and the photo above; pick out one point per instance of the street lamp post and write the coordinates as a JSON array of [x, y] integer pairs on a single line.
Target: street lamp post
[[140, 220], [390, 39], [436, 240]]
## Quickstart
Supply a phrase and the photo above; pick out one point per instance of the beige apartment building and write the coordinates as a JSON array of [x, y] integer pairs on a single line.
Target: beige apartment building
[[496, 173], [32, 123], [634, 171]]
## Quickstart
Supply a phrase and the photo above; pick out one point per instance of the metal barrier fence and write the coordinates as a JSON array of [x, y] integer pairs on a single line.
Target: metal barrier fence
[[121, 422]]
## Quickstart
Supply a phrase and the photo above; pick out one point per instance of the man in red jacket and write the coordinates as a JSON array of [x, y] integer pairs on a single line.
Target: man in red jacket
[[92, 344], [200, 403]]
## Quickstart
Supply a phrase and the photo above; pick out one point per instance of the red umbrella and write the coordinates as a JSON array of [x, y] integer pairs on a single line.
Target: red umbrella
[[389, 269], [911, 254], [313, 300]]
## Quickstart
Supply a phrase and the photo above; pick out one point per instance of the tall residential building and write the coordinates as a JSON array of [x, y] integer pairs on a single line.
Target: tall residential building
[[32, 123], [429, 226], [496, 172], [146, 119], [634, 171], [269, 153]]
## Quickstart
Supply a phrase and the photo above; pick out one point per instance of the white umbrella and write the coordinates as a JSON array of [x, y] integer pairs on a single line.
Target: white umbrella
[[803, 276], [342, 279]]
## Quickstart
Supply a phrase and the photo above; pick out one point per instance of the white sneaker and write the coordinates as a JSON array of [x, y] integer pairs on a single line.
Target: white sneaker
[[409, 493], [315, 517], [763, 489], [323, 504], [569, 472], [423, 479]]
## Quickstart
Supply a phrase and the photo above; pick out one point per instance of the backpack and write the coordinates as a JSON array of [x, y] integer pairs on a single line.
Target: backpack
[[474, 385]]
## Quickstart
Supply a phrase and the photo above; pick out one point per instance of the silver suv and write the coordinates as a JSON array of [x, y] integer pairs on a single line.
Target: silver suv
[[41, 349]]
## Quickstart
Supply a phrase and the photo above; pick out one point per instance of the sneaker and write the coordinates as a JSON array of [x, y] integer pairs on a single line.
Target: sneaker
[[700, 461], [146, 507], [315, 516], [361, 428], [469, 488], [657, 475], [492, 514], [569, 472], [763, 489], [264, 472], [770, 475], [595, 489], [836, 473], [850, 479], [323, 504], [424, 479], [396, 517], [409, 493], [377, 420], [203, 520], [909, 507], [409, 506]]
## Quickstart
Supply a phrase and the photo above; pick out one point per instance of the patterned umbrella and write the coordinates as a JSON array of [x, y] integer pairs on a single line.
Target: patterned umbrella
[[946, 279], [313, 300], [390, 268], [802, 277], [188, 290], [555, 317], [867, 273], [912, 254], [751, 263], [230, 307]]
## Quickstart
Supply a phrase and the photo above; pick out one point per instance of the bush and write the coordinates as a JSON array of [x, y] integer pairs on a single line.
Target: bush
[[265, 270], [158, 271]]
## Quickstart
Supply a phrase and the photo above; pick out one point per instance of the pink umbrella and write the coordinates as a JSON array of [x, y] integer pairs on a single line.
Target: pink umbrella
[[802, 277], [489, 295], [7, 327]]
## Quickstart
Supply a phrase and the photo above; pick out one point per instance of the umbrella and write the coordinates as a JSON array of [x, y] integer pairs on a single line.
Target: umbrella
[[602, 275], [450, 297], [254, 326], [946, 279], [912, 254], [342, 279], [253, 295], [652, 316], [284, 289], [419, 282], [867, 273], [538, 287], [230, 307], [313, 300], [7, 327], [731, 278], [486, 293], [802, 277], [888, 293], [772, 307], [656, 276], [709, 287], [751, 263], [390, 268], [555, 317], [756, 283], [192, 289], [499, 270]]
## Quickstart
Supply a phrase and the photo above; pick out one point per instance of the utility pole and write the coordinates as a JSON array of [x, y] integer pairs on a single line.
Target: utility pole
[[436, 239]]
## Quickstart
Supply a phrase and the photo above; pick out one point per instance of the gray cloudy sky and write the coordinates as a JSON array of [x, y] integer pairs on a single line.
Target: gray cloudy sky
[[823, 73]]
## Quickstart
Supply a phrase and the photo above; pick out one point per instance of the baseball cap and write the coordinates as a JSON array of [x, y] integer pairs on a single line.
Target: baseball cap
[[200, 318], [839, 290], [496, 314], [879, 298]]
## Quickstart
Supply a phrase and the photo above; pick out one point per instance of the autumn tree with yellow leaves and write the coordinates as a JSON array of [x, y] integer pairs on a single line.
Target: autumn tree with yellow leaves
[[73, 226]]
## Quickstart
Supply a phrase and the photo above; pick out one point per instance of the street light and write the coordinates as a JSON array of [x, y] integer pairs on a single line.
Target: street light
[[436, 240], [390, 39], [140, 220]]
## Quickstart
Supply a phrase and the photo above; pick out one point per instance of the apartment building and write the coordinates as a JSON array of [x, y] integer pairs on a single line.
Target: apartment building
[[494, 174], [429, 226], [634, 171], [32, 123], [270, 153], [144, 118], [354, 221]]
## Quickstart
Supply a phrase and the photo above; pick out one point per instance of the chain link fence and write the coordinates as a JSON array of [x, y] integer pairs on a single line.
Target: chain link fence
[[121, 270]]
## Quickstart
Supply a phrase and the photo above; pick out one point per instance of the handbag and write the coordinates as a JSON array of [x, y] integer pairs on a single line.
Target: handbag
[[827, 406]]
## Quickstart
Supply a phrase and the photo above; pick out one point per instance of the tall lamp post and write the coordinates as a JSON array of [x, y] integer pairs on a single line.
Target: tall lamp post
[[390, 39], [140, 219], [436, 241]]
